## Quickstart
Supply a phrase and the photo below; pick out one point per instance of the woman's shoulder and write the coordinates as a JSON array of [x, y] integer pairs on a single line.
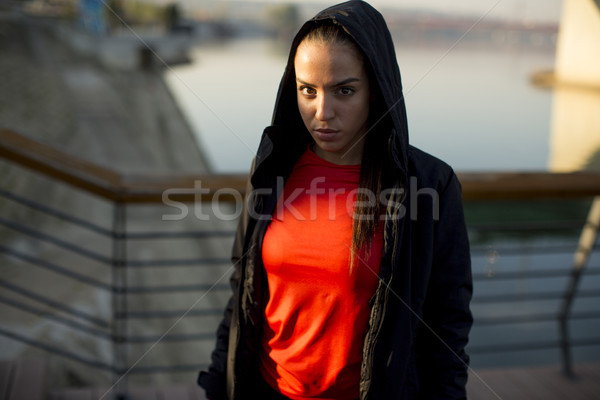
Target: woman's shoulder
[[429, 170]]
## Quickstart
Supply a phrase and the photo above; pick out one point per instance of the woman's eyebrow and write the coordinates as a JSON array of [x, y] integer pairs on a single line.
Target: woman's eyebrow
[[344, 82]]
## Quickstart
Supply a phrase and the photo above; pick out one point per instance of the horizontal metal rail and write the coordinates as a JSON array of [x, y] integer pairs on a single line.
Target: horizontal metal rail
[[55, 213], [529, 296], [171, 338], [55, 304], [509, 250], [194, 287], [168, 314], [55, 268], [178, 235], [44, 237], [55, 317], [537, 226], [535, 274], [181, 262], [154, 369], [57, 350], [527, 346], [525, 319]]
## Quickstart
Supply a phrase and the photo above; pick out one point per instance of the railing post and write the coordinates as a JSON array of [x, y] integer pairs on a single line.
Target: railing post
[[585, 246], [119, 299]]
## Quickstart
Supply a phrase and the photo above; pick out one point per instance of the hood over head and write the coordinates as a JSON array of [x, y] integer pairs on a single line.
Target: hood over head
[[366, 26]]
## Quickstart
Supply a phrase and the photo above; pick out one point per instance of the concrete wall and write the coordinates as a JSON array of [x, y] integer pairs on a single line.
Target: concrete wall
[[575, 136], [578, 47]]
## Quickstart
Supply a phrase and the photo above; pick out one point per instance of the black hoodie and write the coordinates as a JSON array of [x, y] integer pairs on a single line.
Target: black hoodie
[[369, 30], [420, 317]]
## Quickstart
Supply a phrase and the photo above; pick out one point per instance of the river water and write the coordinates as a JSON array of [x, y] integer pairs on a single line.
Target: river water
[[472, 107]]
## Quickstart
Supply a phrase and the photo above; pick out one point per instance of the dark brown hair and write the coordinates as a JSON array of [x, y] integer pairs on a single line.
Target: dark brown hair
[[367, 210]]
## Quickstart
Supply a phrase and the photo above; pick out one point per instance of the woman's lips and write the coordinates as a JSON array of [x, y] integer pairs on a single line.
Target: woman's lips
[[325, 134], [326, 130]]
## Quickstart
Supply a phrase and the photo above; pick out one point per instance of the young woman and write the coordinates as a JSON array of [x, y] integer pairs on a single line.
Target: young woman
[[352, 260]]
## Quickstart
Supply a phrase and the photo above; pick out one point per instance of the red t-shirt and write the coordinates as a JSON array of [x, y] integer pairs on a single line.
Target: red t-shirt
[[317, 314]]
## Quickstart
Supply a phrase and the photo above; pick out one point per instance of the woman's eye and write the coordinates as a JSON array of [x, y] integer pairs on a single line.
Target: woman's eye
[[308, 91], [346, 91]]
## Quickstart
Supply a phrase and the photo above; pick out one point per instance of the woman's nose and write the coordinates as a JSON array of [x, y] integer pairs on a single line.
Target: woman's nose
[[324, 110]]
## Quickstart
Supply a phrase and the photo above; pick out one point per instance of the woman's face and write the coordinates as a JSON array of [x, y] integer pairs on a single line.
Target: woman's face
[[333, 99]]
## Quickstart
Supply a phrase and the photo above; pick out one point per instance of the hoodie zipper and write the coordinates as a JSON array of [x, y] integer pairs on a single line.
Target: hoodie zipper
[[377, 316]]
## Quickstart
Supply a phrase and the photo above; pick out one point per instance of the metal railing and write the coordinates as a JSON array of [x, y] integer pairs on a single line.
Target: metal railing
[[125, 193], [562, 244]]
